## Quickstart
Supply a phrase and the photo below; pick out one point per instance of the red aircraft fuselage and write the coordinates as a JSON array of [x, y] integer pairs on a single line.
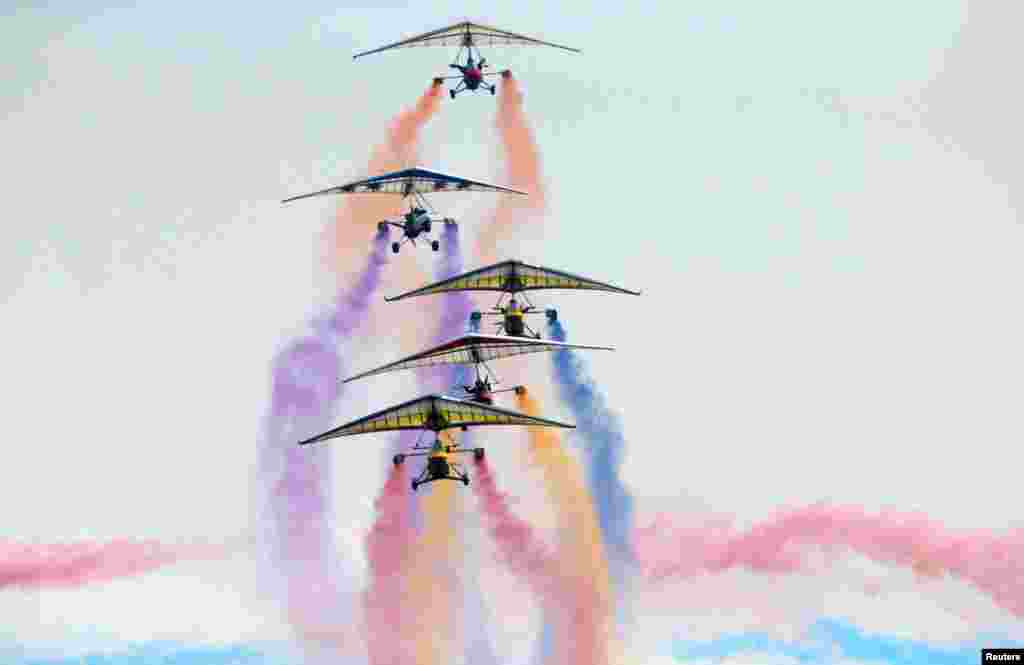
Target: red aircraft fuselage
[[473, 77]]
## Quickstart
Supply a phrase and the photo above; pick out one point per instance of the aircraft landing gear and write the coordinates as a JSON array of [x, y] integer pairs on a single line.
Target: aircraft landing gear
[[394, 247], [465, 480], [435, 245], [398, 459], [478, 454], [414, 485], [452, 93], [492, 90]]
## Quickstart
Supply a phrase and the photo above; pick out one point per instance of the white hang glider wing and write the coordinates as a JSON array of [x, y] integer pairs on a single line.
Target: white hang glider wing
[[513, 277], [472, 349], [410, 181], [467, 33]]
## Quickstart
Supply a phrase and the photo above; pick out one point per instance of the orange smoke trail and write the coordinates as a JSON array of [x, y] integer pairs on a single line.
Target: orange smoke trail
[[583, 629], [360, 217], [434, 583], [357, 217], [522, 164]]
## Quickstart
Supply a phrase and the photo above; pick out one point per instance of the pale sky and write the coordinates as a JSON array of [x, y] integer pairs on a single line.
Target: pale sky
[[820, 201]]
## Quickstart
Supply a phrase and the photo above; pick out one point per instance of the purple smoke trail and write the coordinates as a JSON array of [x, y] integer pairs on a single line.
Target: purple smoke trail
[[454, 313], [298, 481]]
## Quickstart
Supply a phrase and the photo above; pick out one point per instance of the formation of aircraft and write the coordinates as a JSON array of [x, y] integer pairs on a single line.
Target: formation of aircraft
[[468, 36], [412, 183], [514, 278], [476, 350], [436, 413]]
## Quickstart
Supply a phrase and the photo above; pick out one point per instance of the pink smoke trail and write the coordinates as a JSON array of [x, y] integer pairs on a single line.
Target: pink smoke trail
[[524, 553], [522, 163], [388, 550], [71, 565], [993, 564]]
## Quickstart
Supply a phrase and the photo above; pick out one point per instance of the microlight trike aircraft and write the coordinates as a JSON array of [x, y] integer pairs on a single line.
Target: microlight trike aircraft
[[436, 413], [469, 37], [476, 350], [513, 278], [415, 183]]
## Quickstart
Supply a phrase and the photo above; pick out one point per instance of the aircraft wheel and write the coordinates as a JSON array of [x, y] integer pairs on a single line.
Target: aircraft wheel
[[435, 245], [478, 453], [398, 459], [414, 485], [552, 314], [492, 90], [426, 226], [465, 480], [465, 428], [452, 92], [394, 247], [520, 390]]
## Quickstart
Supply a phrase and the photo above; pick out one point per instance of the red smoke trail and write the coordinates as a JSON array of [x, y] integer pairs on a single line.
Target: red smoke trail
[[524, 553], [993, 564], [388, 549], [78, 564], [523, 172]]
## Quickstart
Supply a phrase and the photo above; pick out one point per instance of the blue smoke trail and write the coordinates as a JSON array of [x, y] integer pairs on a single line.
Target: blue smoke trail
[[606, 443], [828, 641]]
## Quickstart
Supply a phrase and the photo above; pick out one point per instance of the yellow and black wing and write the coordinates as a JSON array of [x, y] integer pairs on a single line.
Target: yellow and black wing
[[435, 413], [513, 277]]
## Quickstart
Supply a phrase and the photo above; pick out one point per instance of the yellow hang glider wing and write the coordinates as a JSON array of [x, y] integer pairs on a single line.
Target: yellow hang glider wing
[[435, 413], [513, 277]]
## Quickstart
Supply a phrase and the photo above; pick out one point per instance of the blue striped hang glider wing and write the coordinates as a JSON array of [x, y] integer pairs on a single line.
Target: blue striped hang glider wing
[[411, 181]]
